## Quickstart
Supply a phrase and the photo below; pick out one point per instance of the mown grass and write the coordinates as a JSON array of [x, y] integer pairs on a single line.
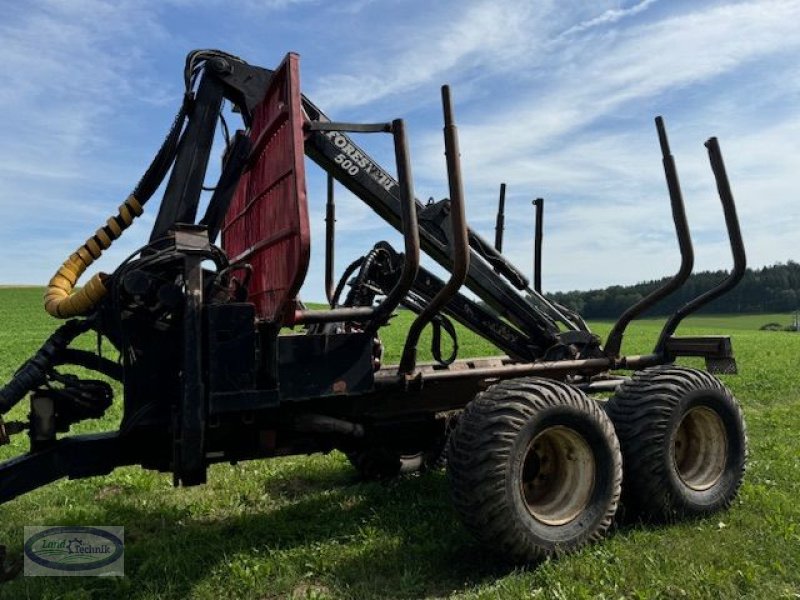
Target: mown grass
[[304, 527], [737, 322]]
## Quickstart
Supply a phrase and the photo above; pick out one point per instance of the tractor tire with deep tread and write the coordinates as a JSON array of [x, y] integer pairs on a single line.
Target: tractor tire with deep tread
[[535, 469], [684, 443]]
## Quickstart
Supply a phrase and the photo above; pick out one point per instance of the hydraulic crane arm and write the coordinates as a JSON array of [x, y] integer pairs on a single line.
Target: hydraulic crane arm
[[509, 296]]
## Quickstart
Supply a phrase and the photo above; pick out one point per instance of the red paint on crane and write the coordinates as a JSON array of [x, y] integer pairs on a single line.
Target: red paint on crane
[[267, 222]]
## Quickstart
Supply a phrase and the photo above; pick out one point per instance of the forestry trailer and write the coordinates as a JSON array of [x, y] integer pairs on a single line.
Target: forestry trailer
[[538, 464]]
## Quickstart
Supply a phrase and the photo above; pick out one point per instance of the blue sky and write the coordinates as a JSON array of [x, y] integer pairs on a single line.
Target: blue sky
[[556, 98]]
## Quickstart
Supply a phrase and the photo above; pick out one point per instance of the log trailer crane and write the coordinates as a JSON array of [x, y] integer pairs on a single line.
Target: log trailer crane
[[209, 375]]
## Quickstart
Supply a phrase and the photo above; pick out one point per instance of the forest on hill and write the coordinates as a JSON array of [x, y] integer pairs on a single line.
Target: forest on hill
[[770, 289]]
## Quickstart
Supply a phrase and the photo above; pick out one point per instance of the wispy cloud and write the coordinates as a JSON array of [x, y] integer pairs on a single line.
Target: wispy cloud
[[67, 68], [479, 35], [247, 5], [670, 55], [63, 79], [610, 16], [606, 182]]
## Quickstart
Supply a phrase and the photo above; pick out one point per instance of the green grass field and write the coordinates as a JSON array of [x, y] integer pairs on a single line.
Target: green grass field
[[304, 527]]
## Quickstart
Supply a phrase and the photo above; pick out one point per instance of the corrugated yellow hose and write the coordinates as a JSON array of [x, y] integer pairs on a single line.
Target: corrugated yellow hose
[[60, 299]]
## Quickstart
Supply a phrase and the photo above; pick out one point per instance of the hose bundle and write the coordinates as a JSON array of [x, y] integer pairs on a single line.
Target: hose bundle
[[61, 300]]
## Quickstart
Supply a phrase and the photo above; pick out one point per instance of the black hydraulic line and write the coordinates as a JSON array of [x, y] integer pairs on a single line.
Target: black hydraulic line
[[417, 303], [330, 232], [614, 342], [500, 264], [91, 361], [358, 283], [501, 217], [460, 245], [409, 226], [351, 268], [33, 372], [737, 248], [164, 158], [186, 182], [439, 323], [537, 244]]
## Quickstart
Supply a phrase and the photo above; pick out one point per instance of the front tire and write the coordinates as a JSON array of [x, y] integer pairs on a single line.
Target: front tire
[[684, 443], [535, 469]]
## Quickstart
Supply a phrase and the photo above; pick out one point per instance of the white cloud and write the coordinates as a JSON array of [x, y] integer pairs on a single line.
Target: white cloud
[[480, 35], [608, 201], [608, 215], [68, 67], [634, 66], [610, 16], [63, 80]]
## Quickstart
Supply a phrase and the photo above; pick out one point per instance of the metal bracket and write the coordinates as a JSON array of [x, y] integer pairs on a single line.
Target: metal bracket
[[717, 350]]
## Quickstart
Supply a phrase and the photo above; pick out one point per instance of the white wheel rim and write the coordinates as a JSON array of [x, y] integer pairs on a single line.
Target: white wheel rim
[[700, 448], [558, 475]]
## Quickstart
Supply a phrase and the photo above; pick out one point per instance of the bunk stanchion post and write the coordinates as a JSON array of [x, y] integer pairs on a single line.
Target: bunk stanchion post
[[409, 226], [460, 235], [330, 232], [614, 342], [737, 249], [729, 209], [501, 217], [537, 244]]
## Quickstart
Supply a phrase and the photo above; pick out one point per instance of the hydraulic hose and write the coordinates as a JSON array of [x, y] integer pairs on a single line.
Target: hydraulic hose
[[59, 299], [33, 373]]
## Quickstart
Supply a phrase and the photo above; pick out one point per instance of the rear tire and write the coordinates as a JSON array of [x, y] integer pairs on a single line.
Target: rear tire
[[535, 469], [684, 443]]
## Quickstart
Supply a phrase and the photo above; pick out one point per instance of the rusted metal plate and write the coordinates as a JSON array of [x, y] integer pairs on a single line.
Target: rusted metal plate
[[267, 222]]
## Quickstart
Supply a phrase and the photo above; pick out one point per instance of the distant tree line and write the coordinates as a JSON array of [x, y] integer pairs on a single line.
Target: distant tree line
[[766, 290]]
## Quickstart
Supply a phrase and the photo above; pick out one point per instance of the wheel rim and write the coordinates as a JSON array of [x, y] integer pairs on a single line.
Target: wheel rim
[[700, 448], [557, 475]]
